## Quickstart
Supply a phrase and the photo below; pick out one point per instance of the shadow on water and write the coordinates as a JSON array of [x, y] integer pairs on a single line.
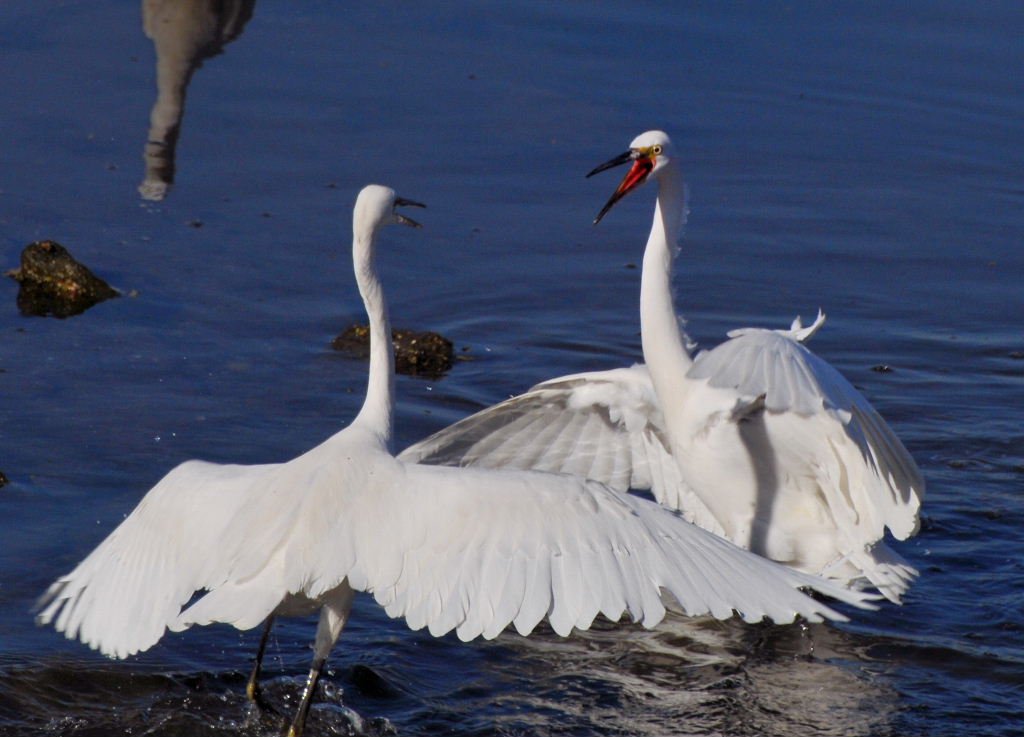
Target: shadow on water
[[184, 35]]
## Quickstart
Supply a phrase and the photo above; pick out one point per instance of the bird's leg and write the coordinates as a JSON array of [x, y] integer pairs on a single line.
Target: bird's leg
[[307, 694], [252, 688], [333, 615]]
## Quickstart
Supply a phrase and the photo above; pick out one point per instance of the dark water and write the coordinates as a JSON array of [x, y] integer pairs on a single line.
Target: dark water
[[865, 158]]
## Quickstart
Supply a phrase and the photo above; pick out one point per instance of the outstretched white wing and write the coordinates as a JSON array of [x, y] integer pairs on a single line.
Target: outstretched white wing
[[466, 549], [773, 368], [822, 436], [478, 550], [124, 595], [602, 425]]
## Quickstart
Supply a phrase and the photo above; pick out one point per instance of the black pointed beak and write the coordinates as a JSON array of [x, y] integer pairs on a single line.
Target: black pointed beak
[[610, 164], [637, 175], [402, 202]]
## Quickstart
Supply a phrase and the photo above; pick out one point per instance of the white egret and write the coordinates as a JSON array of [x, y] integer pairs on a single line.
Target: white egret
[[472, 550], [758, 440]]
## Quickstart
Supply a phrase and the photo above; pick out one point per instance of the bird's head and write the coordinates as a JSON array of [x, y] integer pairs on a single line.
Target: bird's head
[[649, 153], [375, 206]]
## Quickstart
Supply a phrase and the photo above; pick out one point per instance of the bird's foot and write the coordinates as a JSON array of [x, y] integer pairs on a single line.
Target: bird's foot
[[255, 695]]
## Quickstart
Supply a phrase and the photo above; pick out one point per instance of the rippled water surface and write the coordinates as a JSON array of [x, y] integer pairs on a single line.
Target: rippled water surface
[[860, 157]]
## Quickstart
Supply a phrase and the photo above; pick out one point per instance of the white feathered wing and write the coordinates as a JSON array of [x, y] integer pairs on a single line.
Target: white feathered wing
[[467, 549], [609, 426]]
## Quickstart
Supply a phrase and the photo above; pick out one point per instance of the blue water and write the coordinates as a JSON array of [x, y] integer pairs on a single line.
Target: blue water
[[860, 157]]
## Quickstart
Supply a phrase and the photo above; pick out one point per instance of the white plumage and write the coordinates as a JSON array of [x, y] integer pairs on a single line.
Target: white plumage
[[758, 439], [470, 550]]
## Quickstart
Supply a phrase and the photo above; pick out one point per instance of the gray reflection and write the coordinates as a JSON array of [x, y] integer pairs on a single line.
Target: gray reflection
[[184, 34], [696, 676]]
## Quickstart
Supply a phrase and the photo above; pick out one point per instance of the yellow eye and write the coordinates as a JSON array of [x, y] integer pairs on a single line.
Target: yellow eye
[[656, 150]]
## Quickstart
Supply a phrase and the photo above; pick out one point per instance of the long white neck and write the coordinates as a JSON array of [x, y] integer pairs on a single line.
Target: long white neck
[[378, 407], [664, 349]]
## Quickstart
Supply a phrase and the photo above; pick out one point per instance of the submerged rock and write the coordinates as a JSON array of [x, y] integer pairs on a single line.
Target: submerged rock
[[418, 353], [54, 283]]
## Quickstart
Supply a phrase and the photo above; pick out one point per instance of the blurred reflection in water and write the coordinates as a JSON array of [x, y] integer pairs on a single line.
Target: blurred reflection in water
[[184, 33], [699, 675]]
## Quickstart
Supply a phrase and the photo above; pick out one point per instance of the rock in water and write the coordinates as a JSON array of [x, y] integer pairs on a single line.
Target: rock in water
[[421, 353], [54, 283]]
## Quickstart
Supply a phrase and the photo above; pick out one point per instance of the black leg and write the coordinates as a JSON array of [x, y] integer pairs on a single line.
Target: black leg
[[337, 604], [295, 730], [252, 688]]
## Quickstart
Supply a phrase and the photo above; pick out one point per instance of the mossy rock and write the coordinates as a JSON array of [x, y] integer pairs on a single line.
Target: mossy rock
[[54, 283], [417, 353]]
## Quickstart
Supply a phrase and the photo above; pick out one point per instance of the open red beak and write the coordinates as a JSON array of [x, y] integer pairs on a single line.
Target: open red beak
[[637, 175]]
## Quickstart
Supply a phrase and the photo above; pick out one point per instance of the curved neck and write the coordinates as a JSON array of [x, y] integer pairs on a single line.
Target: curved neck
[[663, 344], [378, 407]]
